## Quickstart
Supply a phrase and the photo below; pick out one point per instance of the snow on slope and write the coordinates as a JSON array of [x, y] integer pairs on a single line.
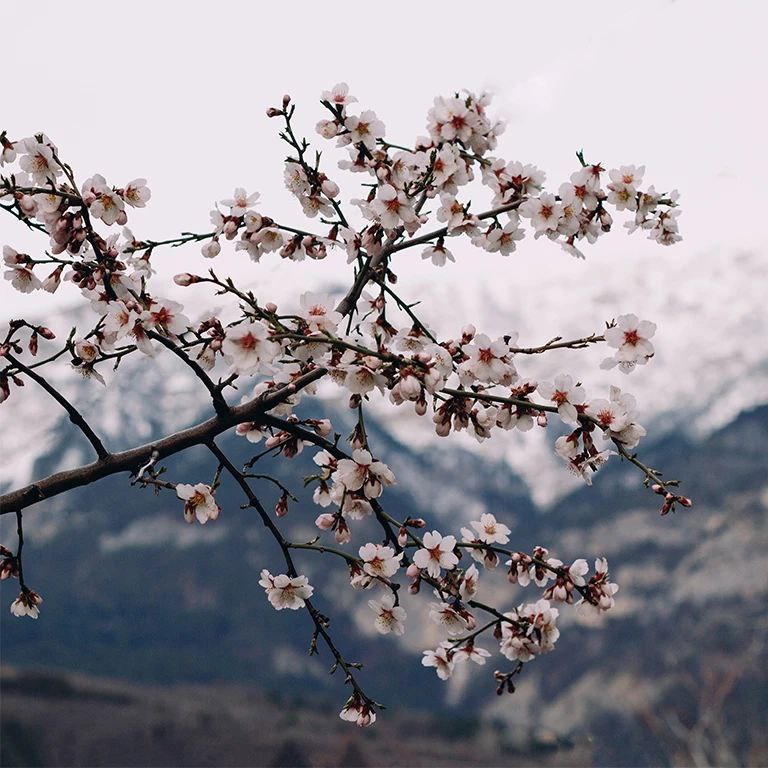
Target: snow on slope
[[711, 361]]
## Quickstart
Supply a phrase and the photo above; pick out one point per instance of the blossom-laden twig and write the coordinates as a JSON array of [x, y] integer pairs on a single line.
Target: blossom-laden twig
[[370, 341]]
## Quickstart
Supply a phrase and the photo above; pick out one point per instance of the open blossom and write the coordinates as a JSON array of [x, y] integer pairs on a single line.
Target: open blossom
[[23, 279], [623, 186], [608, 414], [26, 604], [438, 253], [390, 618], [441, 659], [501, 240], [103, 201], [318, 312], [531, 632], [248, 348], [240, 201], [630, 336], [37, 160], [544, 212], [362, 472], [168, 317], [136, 193], [364, 129], [392, 207], [471, 652], [490, 531], [436, 553], [565, 396], [339, 95], [379, 560], [286, 592], [449, 618], [198, 502], [489, 361]]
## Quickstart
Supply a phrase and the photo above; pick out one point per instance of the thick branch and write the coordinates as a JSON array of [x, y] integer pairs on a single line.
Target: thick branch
[[74, 415], [132, 459]]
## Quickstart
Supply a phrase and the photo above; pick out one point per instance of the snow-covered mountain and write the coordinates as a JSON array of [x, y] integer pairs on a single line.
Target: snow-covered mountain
[[711, 358]]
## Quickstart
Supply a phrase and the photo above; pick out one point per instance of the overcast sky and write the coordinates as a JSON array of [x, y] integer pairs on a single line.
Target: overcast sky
[[176, 92]]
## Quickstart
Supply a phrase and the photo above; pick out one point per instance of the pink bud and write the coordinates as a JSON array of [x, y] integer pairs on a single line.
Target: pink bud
[[184, 279], [330, 188], [325, 521], [212, 249], [413, 571], [656, 488], [274, 112], [46, 333], [271, 307]]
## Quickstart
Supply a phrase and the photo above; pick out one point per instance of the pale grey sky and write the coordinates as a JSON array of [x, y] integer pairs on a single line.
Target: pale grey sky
[[176, 92]]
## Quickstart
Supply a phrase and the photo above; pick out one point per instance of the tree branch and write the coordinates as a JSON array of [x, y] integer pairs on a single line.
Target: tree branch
[[132, 459], [74, 415]]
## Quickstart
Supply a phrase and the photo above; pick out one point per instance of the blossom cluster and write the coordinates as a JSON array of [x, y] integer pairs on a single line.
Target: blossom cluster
[[369, 343]]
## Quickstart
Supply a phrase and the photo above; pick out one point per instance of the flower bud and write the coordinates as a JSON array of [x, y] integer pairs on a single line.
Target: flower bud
[[325, 521], [274, 112], [212, 249], [46, 333], [184, 279], [330, 188], [327, 128]]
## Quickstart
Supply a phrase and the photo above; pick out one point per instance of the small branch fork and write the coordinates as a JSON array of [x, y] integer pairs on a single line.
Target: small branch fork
[[373, 267], [320, 621]]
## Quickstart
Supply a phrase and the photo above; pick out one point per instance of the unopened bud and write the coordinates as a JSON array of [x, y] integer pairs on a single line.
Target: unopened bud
[[402, 537], [286, 100], [184, 279], [281, 508], [330, 188], [656, 488], [325, 521], [274, 112], [685, 501], [212, 249], [46, 333], [468, 333]]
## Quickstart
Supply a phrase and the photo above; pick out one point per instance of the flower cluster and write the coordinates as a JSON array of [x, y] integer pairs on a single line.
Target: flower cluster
[[368, 341]]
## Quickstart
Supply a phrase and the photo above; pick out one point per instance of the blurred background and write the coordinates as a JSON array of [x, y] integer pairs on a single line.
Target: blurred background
[[155, 645]]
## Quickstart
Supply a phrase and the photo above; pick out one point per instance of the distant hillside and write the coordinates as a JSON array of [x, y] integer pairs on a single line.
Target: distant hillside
[[133, 592]]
